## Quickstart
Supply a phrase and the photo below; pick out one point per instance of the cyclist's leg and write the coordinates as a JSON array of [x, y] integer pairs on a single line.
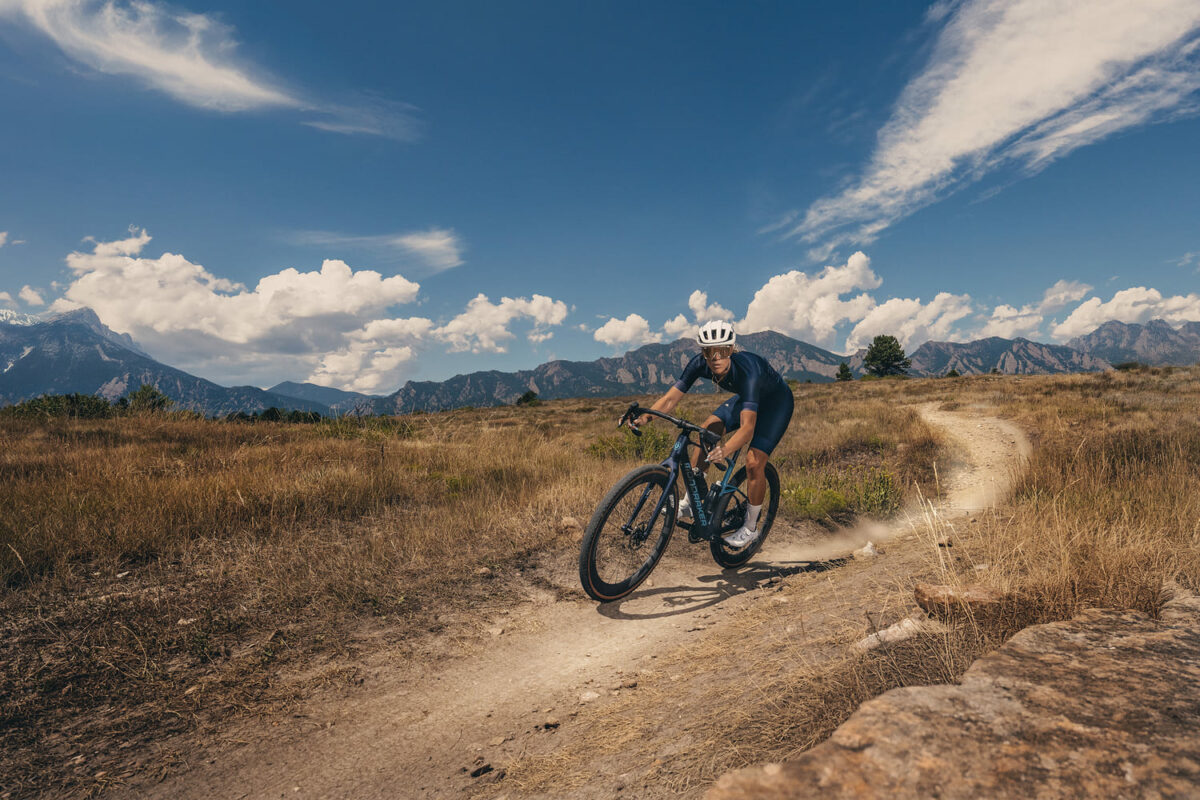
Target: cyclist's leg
[[756, 476], [773, 420]]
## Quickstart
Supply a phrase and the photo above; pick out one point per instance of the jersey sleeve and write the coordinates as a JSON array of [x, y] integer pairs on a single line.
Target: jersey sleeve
[[694, 369]]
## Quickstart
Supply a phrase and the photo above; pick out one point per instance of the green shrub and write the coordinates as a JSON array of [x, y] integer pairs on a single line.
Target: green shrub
[[76, 406], [653, 445], [828, 492]]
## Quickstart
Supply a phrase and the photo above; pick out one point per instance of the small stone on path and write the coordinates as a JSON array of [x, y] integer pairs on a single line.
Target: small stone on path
[[866, 551]]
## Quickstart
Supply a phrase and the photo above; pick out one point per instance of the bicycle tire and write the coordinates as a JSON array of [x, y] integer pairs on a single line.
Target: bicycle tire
[[722, 553], [611, 562]]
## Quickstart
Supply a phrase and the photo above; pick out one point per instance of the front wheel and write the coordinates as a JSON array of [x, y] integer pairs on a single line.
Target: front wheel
[[625, 538], [730, 513]]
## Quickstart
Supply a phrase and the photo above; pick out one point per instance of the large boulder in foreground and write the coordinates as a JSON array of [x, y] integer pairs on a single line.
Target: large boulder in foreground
[[1104, 705]]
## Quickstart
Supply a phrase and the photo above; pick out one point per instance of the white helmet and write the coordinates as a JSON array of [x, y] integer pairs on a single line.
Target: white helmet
[[715, 333]]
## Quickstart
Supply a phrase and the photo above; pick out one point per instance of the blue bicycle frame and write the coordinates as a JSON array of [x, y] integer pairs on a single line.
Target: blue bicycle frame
[[703, 527]]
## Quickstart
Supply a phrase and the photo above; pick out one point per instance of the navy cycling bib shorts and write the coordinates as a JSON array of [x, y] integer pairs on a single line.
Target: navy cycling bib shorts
[[756, 386]]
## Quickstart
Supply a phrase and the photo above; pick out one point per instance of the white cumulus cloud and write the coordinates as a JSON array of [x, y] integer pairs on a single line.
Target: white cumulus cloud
[[811, 307], [6, 298], [336, 325], [1019, 82], [911, 321], [3, 238], [703, 311], [1010, 322], [31, 296], [1136, 304], [634, 329], [483, 326]]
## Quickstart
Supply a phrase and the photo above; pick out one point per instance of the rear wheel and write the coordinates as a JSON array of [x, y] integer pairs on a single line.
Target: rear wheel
[[624, 539], [731, 513]]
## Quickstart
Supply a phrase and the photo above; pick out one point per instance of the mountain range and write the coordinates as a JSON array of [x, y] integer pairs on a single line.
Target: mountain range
[[76, 352]]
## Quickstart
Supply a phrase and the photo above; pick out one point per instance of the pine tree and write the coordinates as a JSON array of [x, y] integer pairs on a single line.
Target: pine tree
[[149, 398], [843, 373], [886, 357]]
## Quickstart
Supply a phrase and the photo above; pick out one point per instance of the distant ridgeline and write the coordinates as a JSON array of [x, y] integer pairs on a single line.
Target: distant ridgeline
[[75, 353]]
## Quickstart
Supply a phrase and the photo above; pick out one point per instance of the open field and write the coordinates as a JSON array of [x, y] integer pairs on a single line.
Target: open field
[[163, 573], [164, 577]]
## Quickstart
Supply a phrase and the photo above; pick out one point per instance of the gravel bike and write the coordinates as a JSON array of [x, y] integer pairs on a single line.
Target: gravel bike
[[632, 526]]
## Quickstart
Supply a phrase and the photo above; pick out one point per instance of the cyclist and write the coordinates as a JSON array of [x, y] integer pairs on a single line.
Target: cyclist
[[758, 414]]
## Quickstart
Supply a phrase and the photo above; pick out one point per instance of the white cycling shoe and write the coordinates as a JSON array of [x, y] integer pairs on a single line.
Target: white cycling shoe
[[740, 538], [684, 512]]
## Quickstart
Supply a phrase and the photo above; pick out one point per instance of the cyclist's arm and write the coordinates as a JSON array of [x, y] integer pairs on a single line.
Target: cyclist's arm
[[666, 404]]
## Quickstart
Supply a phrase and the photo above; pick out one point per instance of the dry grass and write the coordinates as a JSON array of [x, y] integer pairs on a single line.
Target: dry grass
[[160, 571], [1107, 513]]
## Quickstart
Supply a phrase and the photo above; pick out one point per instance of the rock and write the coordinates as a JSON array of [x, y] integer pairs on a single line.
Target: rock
[[496, 631], [189, 621], [483, 769], [570, 525], [485, 572], [904, 629], [551, 723], [1104, 705], [499, 740], [959, 602], [866, 551], [588, 697]]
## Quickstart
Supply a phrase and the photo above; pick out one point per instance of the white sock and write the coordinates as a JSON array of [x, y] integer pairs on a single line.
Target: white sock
[[684, 505], [752, 516]]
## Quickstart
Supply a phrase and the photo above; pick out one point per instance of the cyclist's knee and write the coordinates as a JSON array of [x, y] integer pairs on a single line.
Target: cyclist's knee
[[756, 460]]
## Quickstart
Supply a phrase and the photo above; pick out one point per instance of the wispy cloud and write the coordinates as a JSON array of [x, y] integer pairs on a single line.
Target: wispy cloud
[[434, 249], [192, 58], [1186, 260], [3, 238], [1014, 82]]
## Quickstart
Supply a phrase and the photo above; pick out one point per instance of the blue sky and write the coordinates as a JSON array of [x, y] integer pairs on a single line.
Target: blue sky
[[373, 193]]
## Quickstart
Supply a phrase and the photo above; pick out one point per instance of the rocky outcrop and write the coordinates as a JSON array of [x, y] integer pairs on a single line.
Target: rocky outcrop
[[646, 370], [1156, 342], [1007, 356], [1104, 705]]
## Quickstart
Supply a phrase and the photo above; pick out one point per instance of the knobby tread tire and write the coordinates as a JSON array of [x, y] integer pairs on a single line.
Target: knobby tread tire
[[601, 529], [721, 552]]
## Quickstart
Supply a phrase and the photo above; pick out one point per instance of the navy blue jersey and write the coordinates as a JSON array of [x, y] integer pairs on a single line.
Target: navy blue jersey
[[750, 377]]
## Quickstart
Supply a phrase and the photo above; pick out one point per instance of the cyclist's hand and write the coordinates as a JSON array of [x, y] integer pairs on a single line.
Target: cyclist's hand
[[642, 420], [716, 454]]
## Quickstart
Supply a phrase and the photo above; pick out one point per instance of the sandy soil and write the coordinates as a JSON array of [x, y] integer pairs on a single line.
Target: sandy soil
[[418, 728]]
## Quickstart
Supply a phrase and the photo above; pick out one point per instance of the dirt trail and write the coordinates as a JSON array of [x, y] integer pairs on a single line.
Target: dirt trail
[[412, 729]]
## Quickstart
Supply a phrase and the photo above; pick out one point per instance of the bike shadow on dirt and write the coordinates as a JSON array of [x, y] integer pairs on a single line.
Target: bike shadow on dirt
[[669, 601]]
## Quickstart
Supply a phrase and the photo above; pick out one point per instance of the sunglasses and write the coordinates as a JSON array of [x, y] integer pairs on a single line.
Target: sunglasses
[[723, 351]]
